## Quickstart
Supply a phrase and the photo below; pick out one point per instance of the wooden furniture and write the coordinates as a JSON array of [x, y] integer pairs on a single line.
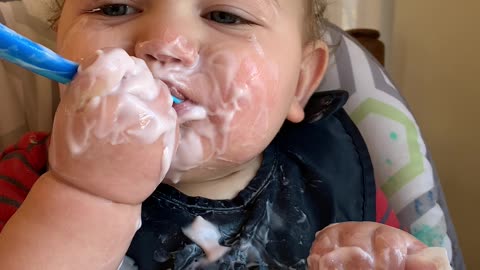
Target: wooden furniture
[[369, 38]]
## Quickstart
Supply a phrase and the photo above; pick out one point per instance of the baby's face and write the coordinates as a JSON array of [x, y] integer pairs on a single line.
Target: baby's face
[[235, 63]]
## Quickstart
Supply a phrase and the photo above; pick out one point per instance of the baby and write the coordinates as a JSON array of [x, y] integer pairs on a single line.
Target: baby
[[241, 174]]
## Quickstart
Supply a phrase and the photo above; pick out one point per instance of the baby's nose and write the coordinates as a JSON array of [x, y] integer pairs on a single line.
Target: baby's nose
[[171, 50]]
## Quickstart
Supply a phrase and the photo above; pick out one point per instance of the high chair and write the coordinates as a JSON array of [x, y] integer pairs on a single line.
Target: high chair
[[403, 166]]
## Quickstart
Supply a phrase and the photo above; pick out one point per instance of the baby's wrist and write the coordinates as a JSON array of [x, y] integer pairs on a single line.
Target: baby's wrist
[[64, 183], [116, 190], [51, 185], [65, 200]]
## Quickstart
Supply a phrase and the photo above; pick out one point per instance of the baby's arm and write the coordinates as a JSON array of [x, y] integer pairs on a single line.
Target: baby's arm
[[113, 138], [20, 166], [61, 227]]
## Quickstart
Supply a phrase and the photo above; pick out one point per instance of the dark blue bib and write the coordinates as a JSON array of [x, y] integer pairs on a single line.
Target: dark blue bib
[[313, 174]]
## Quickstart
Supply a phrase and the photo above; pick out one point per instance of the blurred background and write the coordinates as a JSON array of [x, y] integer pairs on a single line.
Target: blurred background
[[432, 51]]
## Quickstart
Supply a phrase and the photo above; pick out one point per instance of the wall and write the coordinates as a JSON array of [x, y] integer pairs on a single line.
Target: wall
[[435, 60], [374, 14]]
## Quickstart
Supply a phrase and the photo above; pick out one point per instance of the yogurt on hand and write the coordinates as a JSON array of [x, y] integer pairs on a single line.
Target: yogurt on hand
[[115, 131]]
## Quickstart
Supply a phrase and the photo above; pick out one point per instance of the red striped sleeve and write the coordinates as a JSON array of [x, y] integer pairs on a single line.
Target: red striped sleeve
[[20, 166]]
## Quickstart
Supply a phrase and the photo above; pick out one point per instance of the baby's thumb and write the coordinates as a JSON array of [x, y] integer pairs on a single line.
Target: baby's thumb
[[98, 75]]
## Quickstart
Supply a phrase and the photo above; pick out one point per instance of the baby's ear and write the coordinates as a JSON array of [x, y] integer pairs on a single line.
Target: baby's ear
[[313, 67]]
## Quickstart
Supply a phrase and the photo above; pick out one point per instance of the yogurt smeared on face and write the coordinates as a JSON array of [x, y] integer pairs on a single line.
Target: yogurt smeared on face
[[240, 81], [221, 92], [225, 117]]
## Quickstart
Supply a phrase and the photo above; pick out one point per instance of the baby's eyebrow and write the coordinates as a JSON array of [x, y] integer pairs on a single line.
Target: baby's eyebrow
[[274, 3]]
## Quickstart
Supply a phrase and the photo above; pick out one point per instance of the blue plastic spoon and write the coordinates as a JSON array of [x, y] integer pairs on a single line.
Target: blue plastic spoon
[[32, 56]]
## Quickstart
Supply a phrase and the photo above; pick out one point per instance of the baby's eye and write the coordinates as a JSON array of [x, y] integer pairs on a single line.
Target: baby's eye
[[115, 10], [223, 17]]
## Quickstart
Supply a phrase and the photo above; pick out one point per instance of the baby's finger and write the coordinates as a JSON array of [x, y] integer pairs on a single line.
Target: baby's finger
[[108, 62], [139, 81], [324, 243], [345, 258], [99, 75]]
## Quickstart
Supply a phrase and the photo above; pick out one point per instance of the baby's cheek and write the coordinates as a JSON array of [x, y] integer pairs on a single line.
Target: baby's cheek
[[258, 115]]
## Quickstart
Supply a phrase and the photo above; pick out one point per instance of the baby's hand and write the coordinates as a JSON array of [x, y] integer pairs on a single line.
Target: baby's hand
[[368, 245], [115, 130]]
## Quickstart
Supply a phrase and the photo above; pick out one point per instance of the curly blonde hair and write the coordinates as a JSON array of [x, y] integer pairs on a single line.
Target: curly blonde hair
[[315, 18]]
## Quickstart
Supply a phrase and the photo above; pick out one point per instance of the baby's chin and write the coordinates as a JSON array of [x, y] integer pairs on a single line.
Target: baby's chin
[[215, 169], [201, 156], [205, 172]]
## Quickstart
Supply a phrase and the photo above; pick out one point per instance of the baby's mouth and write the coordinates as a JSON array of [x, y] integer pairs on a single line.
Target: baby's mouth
[[175, 92], [187, 110]]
